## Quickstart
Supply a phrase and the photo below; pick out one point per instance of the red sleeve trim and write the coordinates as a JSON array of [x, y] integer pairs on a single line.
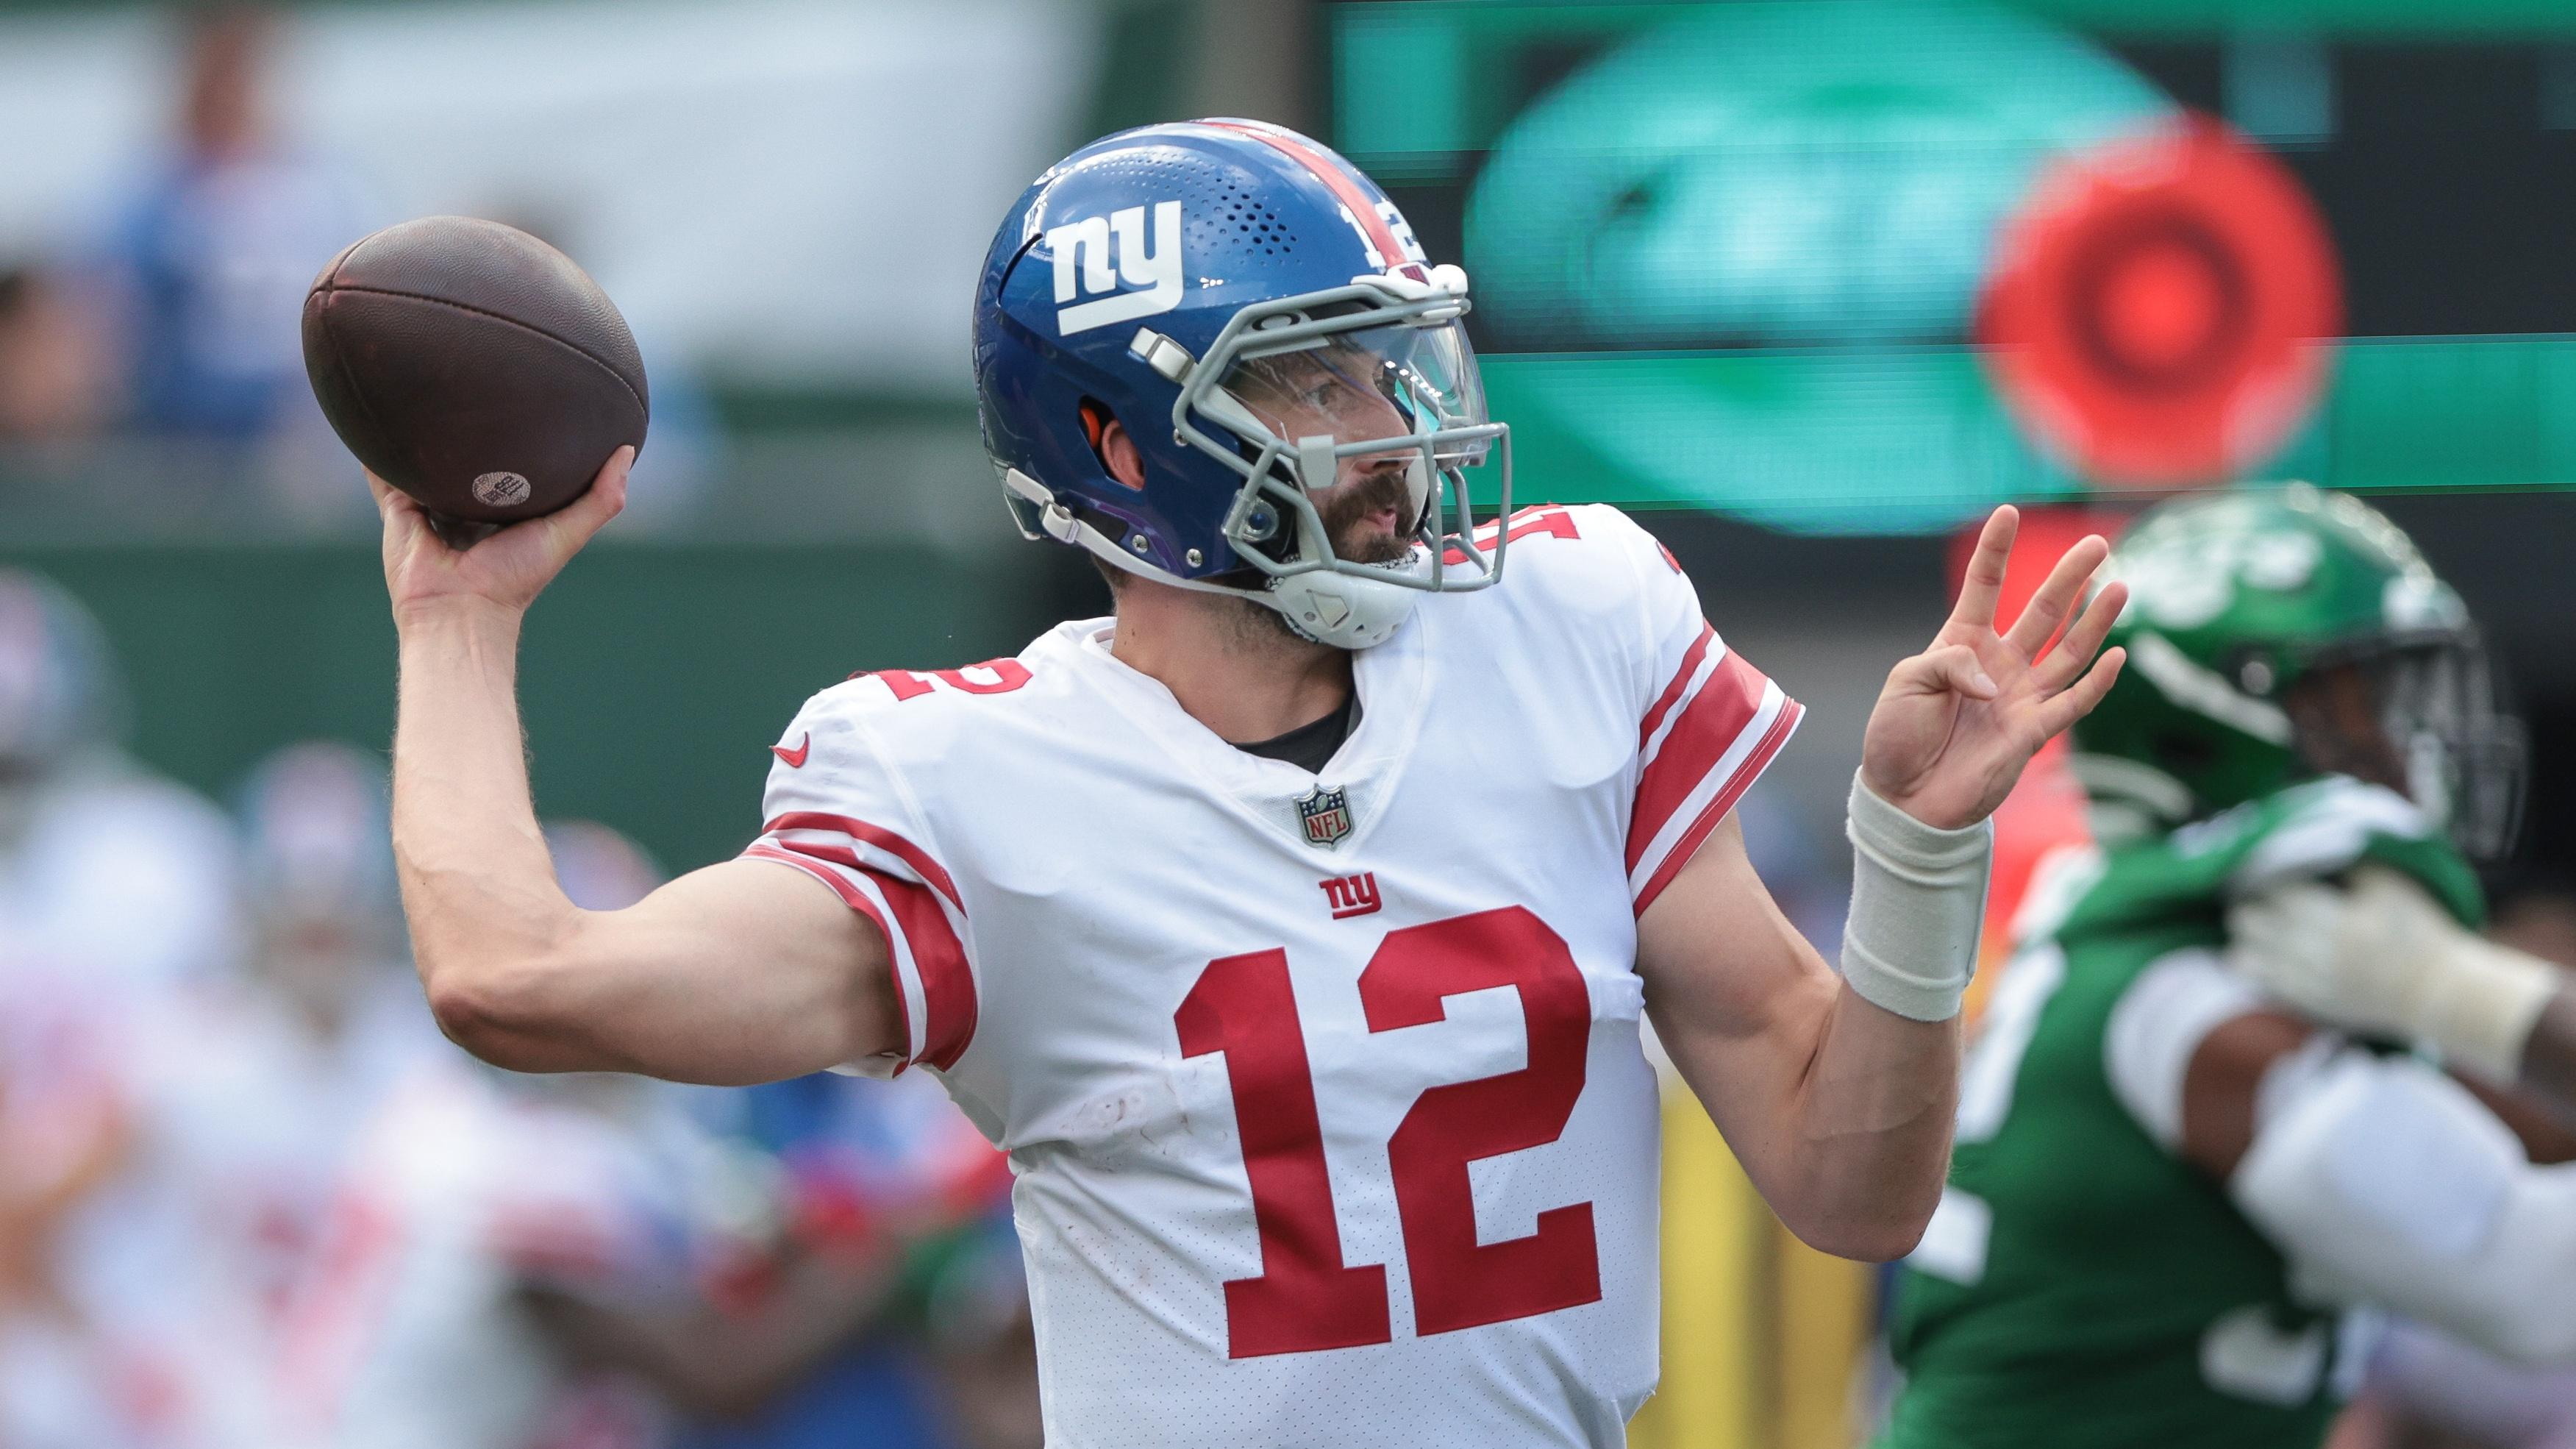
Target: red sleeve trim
[[939, 961], [878, 836], [857, 900], [1680, 681], [1784, 725], [1709, 724], [948, 1006]]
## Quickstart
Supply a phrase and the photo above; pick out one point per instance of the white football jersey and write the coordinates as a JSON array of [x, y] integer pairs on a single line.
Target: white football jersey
[[1324, 1094]]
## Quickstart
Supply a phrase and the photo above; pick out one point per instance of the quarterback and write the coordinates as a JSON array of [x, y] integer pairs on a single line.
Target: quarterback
[[1292, 928], [2177, 1206]]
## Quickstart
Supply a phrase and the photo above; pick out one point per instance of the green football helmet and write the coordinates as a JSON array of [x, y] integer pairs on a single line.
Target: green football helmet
[[2276, 634]]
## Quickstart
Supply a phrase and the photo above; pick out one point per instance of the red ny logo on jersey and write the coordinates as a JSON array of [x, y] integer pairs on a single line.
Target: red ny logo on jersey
[[1351, 895]]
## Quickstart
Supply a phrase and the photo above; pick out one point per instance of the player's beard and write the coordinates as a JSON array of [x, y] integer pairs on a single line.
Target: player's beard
[[1345, 518]]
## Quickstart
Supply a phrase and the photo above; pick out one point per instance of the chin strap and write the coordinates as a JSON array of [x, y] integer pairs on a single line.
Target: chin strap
[[1323, 606]]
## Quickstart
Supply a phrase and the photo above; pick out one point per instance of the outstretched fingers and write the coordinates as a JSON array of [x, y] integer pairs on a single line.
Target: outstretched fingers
[[2077, 700], [2056, 596], [2076, 649], [1984, 585]]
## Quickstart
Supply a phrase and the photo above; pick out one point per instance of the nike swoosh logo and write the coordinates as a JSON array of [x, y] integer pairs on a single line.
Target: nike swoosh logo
[[795, 758]]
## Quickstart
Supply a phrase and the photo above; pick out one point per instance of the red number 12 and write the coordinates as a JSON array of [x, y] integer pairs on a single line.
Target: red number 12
[[1306, 1298]]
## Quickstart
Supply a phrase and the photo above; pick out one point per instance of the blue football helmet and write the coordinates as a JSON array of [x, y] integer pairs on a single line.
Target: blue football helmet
[[1263, 295]]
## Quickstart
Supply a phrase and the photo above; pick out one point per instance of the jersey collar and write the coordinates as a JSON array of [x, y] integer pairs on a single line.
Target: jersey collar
[[1393, 681]]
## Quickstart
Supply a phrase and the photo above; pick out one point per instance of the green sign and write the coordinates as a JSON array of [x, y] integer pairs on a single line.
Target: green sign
[[1913, 440]]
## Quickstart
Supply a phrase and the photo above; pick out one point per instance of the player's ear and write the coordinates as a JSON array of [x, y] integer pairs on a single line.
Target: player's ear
[[1119, 453]]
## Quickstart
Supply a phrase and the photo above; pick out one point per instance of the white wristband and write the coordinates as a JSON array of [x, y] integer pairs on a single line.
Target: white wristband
[[1918, 904]]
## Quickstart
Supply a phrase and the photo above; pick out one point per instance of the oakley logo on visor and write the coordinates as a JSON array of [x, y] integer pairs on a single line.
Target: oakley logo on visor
[[1083, 265]]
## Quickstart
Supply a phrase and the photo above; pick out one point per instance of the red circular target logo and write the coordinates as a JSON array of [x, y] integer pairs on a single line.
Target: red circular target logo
[[2161, 310]]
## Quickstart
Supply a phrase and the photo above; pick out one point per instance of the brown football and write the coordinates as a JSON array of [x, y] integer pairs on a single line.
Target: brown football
[[472, 366]]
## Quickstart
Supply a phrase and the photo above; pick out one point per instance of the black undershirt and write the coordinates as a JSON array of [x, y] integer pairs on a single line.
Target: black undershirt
[[1310, 746]]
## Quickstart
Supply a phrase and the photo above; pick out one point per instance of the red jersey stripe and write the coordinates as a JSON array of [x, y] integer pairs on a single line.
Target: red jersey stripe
[[1782, 726], [1341, 183], [1709, 723], [948, 1007], [1681, 680], [857, 900], [878, 836], [948, 1003]]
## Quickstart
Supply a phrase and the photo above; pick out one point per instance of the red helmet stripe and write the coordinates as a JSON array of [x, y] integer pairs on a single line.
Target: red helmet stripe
[[1336, 178]]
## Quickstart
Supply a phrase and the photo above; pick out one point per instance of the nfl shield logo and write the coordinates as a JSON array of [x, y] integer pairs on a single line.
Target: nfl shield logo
[[1326, 814]]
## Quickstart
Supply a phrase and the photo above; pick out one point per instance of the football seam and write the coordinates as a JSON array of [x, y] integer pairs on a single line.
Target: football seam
[[340, 359], [575, 348]]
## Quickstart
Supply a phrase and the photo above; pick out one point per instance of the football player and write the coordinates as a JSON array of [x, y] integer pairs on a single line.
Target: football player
[[1291, 928], [2167, 1187]]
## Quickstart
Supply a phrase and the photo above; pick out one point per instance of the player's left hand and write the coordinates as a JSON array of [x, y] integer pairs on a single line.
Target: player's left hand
[[1957, 722]]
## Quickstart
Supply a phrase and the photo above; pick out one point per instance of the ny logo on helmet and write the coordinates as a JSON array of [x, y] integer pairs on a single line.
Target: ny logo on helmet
[[1083, 265]]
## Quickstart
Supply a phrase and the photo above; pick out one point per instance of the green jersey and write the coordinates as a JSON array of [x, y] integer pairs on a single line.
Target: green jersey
[[2081, 1283]]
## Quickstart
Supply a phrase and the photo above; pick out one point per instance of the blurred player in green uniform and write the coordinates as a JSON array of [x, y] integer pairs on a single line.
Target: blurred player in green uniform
[[2176, 1201]]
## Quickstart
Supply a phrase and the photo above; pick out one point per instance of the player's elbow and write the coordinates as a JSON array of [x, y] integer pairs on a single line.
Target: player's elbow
[[497, 1010], [1864, 1237], [1869, 1222]]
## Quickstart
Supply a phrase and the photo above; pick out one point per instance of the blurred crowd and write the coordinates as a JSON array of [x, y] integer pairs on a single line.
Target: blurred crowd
[[169, 317], [250, 1197]]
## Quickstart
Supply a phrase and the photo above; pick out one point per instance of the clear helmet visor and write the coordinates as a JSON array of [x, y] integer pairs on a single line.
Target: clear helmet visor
[[2423, 717], [2463, 756], [1357, 423], [1409, 389]]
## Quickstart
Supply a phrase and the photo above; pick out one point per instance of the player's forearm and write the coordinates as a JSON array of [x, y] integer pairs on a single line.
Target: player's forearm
[[1839, 1109], [478, 887], [1873, 1117], [1876, 1097]]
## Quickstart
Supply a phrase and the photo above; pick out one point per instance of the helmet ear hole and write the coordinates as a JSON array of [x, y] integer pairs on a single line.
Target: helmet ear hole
[[1097, 420]]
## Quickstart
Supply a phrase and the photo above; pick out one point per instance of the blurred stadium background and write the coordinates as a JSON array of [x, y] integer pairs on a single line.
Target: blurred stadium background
[[1736, 263]]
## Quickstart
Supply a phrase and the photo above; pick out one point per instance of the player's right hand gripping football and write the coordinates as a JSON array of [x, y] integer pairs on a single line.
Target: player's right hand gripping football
[[508, 569], [1957, 722]]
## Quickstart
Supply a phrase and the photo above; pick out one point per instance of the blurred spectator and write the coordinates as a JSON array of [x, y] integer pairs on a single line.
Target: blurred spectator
[[115, 917], [409, 1330], [895, 1306], [318, 886], [107, 873], [210, 261], [466, 1191], [56, 377], [598, 868]]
